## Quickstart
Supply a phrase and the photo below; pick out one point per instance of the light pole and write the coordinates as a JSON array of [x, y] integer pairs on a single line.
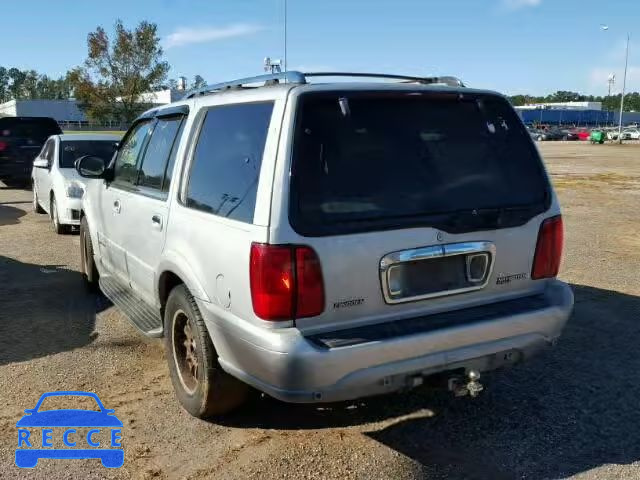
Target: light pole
[[624, 81], [624, 85], [611, 81]]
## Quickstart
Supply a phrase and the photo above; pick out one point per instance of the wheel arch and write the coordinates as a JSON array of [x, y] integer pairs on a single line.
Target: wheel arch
[[173, 271]]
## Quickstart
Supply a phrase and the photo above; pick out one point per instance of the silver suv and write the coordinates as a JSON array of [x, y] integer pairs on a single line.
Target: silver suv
[[327, 241]]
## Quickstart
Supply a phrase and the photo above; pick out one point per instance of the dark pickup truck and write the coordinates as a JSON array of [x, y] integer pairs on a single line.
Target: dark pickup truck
[[21, 139]]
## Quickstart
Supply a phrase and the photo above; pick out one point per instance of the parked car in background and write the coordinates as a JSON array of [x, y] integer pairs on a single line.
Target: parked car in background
[[533, 132], [57, 187], [229, 224], [583, 134], [21, 138], [631, 134], [570, 135], [551, 134], [597, 136]]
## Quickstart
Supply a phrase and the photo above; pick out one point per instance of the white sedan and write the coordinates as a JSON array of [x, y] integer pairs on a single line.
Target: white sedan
[[57, 187]]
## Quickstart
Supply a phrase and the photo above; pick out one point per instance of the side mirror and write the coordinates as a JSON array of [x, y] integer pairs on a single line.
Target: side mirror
[[29, 411], [41, 163], [90, 166]]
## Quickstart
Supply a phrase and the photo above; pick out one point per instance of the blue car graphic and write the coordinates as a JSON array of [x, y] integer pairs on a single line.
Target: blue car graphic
[[97, 420]]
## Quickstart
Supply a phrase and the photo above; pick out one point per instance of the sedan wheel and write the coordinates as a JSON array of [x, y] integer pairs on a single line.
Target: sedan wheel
[[36, 204], [57, 227]]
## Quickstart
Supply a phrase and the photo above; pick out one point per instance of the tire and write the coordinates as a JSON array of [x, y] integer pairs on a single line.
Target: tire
[[87, 263], [202, 387], [55, 221], [36, 204]]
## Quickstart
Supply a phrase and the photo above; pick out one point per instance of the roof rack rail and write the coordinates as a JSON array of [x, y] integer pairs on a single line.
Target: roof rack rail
[[301, 78], [446, 80], [289, 77]]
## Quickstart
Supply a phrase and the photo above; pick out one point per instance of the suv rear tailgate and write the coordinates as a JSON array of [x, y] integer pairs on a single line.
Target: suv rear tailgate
[[398, 192]]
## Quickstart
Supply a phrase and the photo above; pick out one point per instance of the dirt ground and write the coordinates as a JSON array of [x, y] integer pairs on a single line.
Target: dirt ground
[[571, 413]]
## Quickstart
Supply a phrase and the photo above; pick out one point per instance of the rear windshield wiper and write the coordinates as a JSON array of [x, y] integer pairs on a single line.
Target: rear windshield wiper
[[489, 218]]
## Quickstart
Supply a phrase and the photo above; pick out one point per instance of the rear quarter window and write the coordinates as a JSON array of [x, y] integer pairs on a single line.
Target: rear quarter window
[[223, 179]]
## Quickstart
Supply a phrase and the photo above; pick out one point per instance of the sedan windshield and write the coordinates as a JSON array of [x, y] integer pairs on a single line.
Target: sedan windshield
[[72, 150]]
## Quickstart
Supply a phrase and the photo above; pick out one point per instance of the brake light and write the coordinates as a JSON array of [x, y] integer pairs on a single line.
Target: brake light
[[546, 261], [3, 146], [286, 282]]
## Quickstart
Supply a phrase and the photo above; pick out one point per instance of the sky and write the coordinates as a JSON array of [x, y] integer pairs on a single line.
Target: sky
[[513, 46]]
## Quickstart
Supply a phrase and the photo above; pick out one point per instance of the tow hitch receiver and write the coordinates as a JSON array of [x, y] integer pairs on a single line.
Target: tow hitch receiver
[[462, 387]]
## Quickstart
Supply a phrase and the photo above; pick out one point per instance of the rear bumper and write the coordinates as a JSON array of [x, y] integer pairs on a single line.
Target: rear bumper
[[356, 363]]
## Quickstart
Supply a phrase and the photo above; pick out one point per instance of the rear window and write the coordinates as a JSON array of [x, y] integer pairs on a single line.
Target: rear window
[[366, 161], [73, 150], [34, 128]]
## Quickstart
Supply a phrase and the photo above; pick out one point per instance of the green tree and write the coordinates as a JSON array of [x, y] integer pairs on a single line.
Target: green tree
[[115, 74], [16, 83], [198, 82], [30, 84], [4, 84]]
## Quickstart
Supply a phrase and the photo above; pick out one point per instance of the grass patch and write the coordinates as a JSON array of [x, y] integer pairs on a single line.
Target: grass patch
[[596, 181]]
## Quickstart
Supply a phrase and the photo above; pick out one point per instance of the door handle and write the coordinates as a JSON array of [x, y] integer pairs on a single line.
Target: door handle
[[156, 221], [116, 206]]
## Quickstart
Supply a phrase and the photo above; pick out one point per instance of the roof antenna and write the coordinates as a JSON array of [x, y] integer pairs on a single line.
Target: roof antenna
[[285, 36]]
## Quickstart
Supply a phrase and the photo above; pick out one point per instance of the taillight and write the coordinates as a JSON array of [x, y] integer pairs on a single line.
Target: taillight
[[286, 282], [3, 146], [546, 261]]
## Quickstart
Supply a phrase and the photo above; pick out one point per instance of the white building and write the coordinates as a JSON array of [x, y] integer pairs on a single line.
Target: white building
[[162, 97], [60, 110], [563, 106], [68, 111]]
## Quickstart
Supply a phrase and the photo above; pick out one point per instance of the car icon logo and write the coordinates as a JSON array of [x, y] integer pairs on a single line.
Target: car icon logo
[[69, 433]]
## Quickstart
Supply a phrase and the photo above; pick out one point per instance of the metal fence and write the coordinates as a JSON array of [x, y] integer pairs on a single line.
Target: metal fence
[[591, 118], [93, 126]]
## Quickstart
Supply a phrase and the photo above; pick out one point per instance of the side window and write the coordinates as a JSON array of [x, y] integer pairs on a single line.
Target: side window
[[158, 152], [226, 163], [172, 160], [125, 170], [51, 151], [47, 150]]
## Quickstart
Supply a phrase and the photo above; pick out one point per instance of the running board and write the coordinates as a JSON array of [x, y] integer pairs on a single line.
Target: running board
[[137, 311]]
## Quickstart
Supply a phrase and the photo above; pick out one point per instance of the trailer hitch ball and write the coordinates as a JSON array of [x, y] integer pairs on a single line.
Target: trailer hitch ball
[[474, 387], [470, 386]]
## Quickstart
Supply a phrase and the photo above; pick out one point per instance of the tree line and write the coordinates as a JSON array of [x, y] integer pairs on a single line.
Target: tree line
[[609, 102], [28, 84], [109, 84]]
